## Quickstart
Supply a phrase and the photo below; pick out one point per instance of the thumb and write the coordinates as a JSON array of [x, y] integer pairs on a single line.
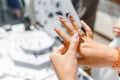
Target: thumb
[[73, 44]]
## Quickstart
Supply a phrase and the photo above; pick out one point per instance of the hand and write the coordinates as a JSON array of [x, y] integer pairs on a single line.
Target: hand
[[116, 30], [94, 54], [64, 60]]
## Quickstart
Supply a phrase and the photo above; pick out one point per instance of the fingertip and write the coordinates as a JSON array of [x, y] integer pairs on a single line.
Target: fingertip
[[70, 15], [82, 21], [71, 18], [61, 18], [56, 28]]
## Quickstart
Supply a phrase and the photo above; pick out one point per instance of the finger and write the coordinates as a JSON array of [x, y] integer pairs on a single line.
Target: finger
[[65, 38], [73, 44], [60, 49], [116, 27], [82, 62], [116, 30], [66, 25], [74, 24], [58, 52], [88, 31]]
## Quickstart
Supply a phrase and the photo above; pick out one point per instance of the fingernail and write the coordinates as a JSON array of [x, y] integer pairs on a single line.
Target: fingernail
[[56, 28], [60, 17], [81, 21], [70, 16], [76, 35]]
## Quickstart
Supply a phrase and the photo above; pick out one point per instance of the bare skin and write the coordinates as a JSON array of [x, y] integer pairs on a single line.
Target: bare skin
[[94, 54], [64, 60]]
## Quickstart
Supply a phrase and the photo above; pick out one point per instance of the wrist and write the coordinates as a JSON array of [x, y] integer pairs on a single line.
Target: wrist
[[69, 78]]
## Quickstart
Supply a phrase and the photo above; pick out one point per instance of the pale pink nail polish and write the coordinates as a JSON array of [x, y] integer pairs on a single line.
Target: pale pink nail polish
[[56, 28], [70, 16], [61, 18]]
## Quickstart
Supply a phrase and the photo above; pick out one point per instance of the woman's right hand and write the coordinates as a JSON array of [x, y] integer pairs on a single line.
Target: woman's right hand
[[96, 54]]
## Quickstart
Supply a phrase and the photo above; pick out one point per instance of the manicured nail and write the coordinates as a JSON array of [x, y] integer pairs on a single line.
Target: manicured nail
[[70, 16], [61, 18], [56, 28]]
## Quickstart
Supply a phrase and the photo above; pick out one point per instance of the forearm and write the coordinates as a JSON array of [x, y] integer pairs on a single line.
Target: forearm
[[69, 78]]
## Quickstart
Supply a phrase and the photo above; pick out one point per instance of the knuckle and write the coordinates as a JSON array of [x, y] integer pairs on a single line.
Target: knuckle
[[73, 41], [52, 56]]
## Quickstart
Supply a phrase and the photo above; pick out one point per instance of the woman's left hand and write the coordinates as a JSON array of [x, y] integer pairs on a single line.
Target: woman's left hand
[[64, 60]]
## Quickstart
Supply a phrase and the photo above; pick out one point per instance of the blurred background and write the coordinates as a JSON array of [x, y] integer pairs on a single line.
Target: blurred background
[[27, 36]]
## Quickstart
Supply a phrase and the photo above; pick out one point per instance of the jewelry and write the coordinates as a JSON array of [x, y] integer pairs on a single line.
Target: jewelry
[[117, 62]]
